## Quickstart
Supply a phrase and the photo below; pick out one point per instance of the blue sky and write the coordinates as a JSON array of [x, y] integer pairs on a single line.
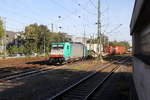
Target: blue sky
[[75, 15]]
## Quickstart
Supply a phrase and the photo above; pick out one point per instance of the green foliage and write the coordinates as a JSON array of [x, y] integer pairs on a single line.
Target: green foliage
[[1, 29], [15, 49], [121, 43], [36, 36]]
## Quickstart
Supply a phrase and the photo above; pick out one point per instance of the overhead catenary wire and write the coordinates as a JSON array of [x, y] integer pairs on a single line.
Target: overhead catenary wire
[[60, 5], [18, 13], [29, 19], [92, 3], [84, 8], [71, 15]]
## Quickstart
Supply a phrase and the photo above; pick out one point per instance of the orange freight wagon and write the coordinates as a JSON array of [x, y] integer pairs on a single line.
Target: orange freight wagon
[[119, 50], [115, 50]]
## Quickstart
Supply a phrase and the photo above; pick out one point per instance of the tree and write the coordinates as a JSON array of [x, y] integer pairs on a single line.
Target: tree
[[1, 29], [39, 36], [121, 43], [14, 49], [35, 37]]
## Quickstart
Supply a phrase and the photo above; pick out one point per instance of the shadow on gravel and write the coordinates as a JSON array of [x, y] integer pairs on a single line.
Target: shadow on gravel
[[45, 85], [8, 71], [115, 58], [107, 58], [44, 62]]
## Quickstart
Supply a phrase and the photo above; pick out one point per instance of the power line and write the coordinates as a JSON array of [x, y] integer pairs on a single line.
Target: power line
[[18, 13], [59, 5], [92, 4], [84, 8]]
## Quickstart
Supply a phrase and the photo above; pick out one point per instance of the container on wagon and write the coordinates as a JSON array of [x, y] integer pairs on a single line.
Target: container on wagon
[[115, 50]]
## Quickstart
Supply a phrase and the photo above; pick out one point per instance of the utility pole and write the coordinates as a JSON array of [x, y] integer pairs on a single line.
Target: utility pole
[[52, 26], [44, 45], [84, 35], [93, 42], [4, 37], [1, 44], [99, 46]]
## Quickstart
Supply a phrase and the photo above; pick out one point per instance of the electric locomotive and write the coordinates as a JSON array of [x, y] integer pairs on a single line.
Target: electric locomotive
[[67, 52]]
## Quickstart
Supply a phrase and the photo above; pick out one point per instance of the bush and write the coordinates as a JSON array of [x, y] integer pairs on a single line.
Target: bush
[[15, 49]]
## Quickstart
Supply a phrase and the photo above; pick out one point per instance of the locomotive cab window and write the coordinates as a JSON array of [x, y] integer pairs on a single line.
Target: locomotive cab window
[[57, 46]]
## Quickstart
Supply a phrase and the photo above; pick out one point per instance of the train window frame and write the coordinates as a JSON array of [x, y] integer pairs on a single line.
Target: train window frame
[[57, 46]]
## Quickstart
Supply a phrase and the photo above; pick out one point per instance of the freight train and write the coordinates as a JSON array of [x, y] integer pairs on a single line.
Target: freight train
[[67, 52], [115, 50]]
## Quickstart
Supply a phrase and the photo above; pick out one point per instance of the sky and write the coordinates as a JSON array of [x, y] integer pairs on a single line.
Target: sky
[[76, 16]]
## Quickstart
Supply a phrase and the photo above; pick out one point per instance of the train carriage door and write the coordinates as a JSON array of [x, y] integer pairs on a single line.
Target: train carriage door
[[67, 51]]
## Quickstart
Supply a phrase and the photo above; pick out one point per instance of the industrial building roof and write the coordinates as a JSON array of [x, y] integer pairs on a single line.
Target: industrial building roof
[[141, 15]]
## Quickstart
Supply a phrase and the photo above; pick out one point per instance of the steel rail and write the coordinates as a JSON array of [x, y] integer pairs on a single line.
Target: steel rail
[[27, 73], [93, 92], [21, 74], [88, 97], [7, 74], [57, 96]]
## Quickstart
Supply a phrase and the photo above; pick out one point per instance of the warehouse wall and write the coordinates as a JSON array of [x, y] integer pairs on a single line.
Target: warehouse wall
[[145, 40], [136, 43], [141, 74], [142, 79], [140, 31]]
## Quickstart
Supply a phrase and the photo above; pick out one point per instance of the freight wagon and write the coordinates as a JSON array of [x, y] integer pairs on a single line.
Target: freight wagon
[[115, 50], [67, 52]]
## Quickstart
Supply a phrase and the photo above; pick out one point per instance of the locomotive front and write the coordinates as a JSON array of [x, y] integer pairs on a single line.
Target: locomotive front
[[57, 53]]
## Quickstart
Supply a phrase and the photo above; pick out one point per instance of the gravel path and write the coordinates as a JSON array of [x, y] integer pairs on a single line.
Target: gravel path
[[43, 86]]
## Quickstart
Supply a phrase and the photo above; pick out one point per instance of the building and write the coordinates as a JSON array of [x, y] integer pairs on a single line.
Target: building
[[80, 39], [89, 46], [140, 31], [11, 39], [94, 48]]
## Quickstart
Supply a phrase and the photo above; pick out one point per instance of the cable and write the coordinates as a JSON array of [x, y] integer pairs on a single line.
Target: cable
[[84, 7], [14, 20], [56, 3], [92, 4], [18, 13]]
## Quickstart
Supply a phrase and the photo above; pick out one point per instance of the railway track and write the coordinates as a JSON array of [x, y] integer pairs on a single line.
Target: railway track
[[7, 76], [25, 74], [86, 87], [4, 77]]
